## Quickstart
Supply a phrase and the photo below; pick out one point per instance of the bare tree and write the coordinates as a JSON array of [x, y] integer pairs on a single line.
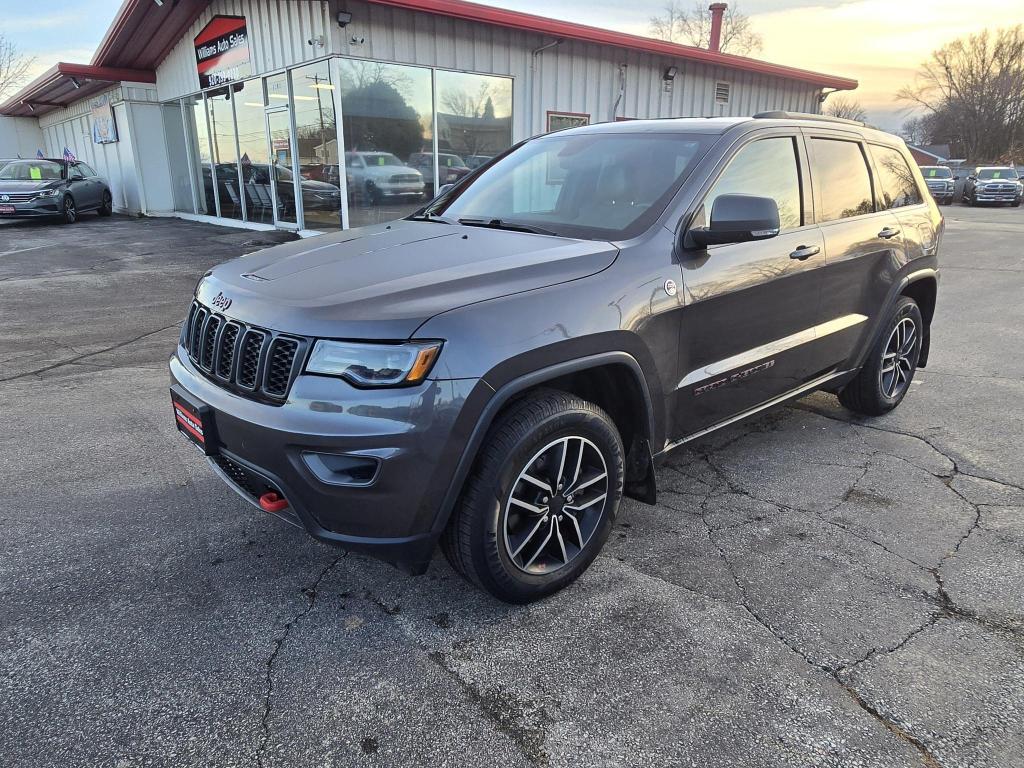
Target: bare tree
[[693, 27], [915, 131], [846, 108], [973, 90], [14, 67]]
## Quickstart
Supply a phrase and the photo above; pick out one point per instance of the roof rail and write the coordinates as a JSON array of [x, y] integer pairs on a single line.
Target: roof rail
[[783, 115]]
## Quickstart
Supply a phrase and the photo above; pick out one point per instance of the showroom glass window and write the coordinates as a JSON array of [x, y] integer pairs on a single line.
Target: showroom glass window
[[841, 175], [899, 187], [474, 122], [223, 151], [199, 138], [177, 155], [765, 168], [254, 159], [387, 122], [316, 139]]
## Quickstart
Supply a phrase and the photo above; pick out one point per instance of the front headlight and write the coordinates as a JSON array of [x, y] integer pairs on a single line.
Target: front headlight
[[374, 365], [49, 192]]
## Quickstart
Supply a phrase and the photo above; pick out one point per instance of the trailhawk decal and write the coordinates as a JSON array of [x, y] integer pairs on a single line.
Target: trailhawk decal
[[739, 376]]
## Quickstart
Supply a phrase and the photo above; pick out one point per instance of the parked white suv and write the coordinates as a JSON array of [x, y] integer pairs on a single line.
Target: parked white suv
[[379, 175]]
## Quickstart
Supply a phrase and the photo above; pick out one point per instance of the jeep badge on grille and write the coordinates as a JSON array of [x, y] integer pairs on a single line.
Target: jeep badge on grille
[[220, 301]]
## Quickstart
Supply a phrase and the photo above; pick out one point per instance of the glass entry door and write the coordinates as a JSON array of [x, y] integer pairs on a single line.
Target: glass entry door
[[282, 179]]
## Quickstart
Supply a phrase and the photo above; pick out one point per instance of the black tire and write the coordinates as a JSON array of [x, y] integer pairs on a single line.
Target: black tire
[[1015, 204], [479, 536], [373, 194], [106, 205], [69, 212], [972, 201], [875, 391]]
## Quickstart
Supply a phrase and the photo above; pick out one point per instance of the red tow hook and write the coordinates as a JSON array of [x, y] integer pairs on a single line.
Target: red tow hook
[[271, 502]]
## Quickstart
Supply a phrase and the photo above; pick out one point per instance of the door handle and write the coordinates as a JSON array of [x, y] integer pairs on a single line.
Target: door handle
[[805, 252], [888, 232]]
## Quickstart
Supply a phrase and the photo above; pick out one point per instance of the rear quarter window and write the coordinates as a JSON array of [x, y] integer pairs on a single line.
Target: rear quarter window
[[899, 186]]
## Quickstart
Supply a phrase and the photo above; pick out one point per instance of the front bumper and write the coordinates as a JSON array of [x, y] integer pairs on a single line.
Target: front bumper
[[47, 206], [416, 434], [1001, 196]]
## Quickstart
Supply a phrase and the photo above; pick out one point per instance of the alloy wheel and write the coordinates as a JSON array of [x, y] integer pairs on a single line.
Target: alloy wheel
[[69, 210], [556, 504], [898, 360]]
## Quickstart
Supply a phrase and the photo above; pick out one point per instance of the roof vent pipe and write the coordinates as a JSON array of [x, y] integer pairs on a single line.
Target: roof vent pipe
[[717, 12]]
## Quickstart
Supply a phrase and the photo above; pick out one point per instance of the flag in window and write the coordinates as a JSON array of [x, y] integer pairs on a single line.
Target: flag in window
[[39, 154], [69, 156]]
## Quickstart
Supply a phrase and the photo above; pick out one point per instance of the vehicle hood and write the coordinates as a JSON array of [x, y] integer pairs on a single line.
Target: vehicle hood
[[27, 186], [387, 171], [313, 185], [383, 282]]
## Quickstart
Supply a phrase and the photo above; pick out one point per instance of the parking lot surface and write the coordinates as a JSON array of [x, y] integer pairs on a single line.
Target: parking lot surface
[[811, 589]]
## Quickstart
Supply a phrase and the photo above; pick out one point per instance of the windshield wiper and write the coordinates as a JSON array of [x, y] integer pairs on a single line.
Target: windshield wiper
[[511, 226], [432, 217]]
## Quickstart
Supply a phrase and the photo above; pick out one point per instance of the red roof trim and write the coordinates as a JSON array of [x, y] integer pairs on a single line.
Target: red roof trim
[[526, 21], [51, 89]]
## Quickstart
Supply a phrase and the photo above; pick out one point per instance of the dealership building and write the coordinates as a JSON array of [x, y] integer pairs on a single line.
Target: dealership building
[[317, 115]]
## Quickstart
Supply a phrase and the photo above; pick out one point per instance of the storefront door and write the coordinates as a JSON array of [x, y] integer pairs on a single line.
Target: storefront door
[[283, 189]]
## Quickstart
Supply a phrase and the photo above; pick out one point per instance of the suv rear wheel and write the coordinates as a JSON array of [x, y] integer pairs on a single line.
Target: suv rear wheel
[[541, 500], [885, 378]]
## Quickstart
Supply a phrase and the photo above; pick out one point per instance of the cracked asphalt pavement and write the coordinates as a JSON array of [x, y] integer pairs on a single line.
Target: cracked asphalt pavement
[[813, 589]]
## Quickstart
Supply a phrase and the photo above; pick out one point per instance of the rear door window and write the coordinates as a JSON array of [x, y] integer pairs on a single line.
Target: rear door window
[[764, 168], [899, 187], [841, 179]]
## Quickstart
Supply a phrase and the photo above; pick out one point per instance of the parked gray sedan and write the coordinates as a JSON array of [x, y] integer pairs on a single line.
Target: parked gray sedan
[[45, 187]]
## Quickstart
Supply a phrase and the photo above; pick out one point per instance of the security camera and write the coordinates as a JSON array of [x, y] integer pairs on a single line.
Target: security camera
[[316, 41]]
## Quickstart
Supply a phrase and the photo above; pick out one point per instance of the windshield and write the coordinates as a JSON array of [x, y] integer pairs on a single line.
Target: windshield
[[997, 173], [382, 158], [599, 186], [937, 173], [31, 170]]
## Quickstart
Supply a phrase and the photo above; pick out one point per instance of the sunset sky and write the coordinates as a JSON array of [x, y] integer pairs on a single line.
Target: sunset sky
[[878, 42]]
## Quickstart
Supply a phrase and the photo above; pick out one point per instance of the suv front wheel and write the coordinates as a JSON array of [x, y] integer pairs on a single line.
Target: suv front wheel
[[541, 500], [885, 378]]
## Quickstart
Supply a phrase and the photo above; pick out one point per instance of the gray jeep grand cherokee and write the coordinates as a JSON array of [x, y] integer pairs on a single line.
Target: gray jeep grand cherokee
[[495, 372]]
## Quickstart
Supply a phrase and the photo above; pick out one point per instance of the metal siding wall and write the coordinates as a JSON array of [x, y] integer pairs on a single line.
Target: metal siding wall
[[572, 77]]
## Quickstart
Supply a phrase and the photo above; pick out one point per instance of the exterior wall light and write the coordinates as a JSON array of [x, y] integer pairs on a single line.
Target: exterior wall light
[[344, 19]]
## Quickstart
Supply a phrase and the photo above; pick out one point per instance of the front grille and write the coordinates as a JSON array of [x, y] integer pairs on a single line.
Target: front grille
[[19, 197], [254, 362], [404, 178]]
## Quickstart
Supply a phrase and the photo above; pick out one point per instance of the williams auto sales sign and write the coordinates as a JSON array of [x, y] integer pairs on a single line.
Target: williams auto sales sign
[[222, 51]]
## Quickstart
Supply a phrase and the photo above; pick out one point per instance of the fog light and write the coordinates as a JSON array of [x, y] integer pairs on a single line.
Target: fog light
[[342, 468]]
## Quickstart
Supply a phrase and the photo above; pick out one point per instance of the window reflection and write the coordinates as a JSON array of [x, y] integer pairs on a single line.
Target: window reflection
[[765, 168], [174, 130], [388, 115], [222, 149], [199, 138], [474, 121], [843, 179], [252, 147], [317, 139]]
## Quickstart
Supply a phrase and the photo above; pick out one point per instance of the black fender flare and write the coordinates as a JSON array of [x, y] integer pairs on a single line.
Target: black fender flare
[[916, 275], [515, 386]]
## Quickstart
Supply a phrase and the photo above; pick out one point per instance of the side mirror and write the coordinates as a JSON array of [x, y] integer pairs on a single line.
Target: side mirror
[[739, 219], [956, 178], [972, 178]]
